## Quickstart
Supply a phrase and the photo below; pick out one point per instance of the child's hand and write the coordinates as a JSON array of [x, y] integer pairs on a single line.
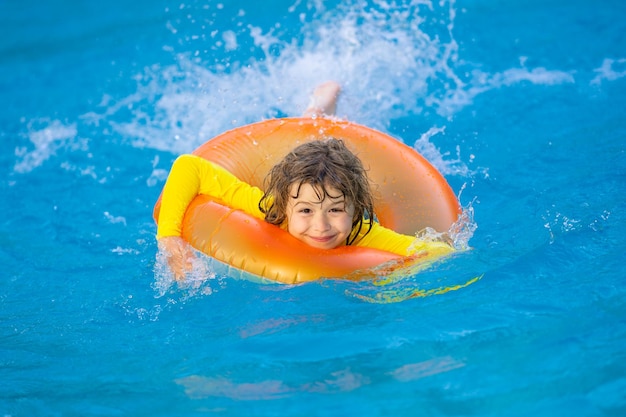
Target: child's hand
[[179, 255]]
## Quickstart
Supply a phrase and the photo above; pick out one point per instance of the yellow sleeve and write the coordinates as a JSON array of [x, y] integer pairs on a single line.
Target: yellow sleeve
[[192, 175], [386, 239]]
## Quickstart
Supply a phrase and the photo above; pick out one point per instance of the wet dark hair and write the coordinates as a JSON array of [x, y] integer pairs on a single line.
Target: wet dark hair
[[323, 164]]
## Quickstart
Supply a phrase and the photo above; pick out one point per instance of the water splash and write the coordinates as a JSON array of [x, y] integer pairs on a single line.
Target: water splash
[[463, 229], [391, 58], [442, 161], [46, 137], [610, 70], [200, 280]]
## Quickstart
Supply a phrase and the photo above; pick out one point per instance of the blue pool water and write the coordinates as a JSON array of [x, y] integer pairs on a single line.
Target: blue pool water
[[520, 104]]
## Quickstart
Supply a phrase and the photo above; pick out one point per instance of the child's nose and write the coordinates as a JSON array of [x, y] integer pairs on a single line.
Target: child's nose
[[321, 222]]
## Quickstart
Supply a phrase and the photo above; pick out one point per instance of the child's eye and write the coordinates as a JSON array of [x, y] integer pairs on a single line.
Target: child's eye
[[337, 210], [304, 211]]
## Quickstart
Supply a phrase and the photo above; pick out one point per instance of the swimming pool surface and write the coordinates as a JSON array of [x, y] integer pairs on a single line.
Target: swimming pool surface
[[520, 104]]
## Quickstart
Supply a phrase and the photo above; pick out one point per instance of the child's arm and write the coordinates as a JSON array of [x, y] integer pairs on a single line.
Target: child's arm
[[191, 176], [386, 239]]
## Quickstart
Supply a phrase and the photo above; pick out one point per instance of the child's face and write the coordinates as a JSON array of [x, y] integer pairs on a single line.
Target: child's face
[[324, 224]]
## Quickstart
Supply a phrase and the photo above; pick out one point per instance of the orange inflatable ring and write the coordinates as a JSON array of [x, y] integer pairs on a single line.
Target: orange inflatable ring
[[410, 195]]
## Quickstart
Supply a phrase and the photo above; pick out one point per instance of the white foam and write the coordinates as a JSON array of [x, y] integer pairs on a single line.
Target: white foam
[[608, 71], [444, 163], [158, 175], [387, 62], [114, 219], [46, 137], [454, 100], [200, 280], [230, 40], [178, 107]]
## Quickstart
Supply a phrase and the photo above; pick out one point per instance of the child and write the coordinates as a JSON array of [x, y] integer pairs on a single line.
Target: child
[[319, 193]]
